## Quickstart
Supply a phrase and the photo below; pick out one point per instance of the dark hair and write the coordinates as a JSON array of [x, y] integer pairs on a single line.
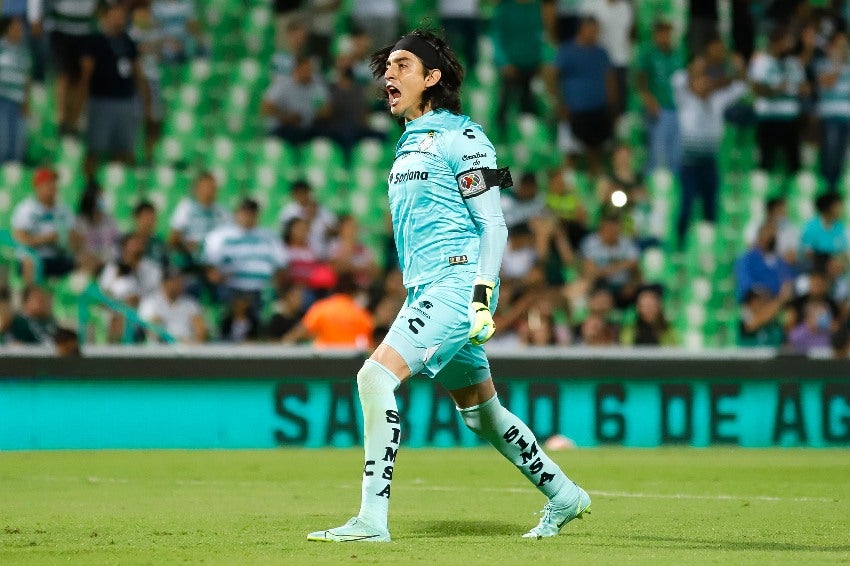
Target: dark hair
[[346, 283], [445, 94], [839, 338], [528, 177], [661, 25], [143, 206], [249, 204], [5, 24], [288, 227], [774, 203], [300, 184], [777, 34], [88, 201], [826, 201]]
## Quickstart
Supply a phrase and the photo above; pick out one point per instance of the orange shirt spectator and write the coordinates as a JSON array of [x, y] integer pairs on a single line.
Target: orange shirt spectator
[[337, 321]]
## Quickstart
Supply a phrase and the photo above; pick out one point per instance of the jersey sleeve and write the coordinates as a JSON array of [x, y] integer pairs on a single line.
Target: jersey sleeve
[[180, 218], [472, 159], [22, 218]]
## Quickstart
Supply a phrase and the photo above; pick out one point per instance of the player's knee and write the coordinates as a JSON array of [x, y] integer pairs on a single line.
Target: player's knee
[[480, 417], [374, 377]]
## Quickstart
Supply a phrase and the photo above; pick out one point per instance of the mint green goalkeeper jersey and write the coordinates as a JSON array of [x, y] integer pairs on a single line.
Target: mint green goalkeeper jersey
[[445, 217]]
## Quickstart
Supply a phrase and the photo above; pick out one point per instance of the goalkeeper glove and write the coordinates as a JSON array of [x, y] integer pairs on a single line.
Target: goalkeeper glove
[[483, 327]]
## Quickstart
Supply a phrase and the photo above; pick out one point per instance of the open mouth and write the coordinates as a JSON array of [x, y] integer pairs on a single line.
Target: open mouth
[[393, 95]]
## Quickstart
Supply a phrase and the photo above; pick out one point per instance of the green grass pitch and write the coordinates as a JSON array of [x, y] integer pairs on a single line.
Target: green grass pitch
[[660, 506]]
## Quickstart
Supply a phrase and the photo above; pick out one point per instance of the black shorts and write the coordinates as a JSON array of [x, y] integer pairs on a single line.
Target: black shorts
[[592, 128], [66, 51]]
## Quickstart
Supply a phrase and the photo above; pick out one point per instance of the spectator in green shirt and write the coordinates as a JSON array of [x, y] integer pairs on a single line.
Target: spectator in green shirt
[[35, 323], [517, 55], [655, 67]]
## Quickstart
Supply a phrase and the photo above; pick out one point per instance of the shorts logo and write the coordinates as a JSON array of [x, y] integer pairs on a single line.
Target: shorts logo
[[471, 184], [458, 260]]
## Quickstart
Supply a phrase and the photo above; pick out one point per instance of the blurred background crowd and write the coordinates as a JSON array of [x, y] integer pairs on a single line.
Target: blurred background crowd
[[214, 171]]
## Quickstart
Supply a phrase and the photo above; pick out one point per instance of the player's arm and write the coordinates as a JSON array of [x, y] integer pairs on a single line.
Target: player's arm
[[479, 187]]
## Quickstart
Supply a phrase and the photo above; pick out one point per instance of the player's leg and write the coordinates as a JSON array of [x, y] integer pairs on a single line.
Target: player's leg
[[377, 381], [467, 377], [416, 343]]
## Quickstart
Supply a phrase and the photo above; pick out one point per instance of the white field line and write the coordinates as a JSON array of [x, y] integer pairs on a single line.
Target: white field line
[[418, 484]]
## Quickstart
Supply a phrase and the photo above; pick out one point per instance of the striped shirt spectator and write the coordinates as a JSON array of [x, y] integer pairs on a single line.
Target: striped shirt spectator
[[243, 257], [194, 218]]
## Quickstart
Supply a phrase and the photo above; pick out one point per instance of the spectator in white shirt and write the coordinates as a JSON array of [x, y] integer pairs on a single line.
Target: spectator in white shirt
[[196, 217], [45, 225], [178, 313], [295, 102]]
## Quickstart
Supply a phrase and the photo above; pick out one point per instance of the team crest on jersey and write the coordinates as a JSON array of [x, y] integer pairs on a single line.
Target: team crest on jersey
[[471, 183], [427, 142]]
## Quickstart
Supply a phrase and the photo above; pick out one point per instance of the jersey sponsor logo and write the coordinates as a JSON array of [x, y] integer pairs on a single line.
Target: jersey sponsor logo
[[427, 142], [477, 155], [408, 176], [458, 260], [471, 184]]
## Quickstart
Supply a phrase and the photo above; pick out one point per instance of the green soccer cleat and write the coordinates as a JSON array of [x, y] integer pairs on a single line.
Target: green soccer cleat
[[354, 530], [555, 516]]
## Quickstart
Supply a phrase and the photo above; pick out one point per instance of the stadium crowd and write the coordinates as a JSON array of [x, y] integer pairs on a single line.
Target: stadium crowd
[[777, 71]]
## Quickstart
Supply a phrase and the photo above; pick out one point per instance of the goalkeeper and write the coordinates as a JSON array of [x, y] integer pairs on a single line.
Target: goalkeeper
[[450, 234]]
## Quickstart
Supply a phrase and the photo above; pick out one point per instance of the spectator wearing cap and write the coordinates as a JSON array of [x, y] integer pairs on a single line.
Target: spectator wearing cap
[[15, 70], [45, 225], [113, 86], [584, 87], [825, 233], [195, 217], [610, 258], [321, 222], [833, 74], [655, 66], [174, 310], [34, 324], [337, 321], [294, 103], [243, 259], [778, 81]]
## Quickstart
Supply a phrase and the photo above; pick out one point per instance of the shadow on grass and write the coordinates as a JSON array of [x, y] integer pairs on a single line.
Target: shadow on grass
[[691, 543], [448, 529]]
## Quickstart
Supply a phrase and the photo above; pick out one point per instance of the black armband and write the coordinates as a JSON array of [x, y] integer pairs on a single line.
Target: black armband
[[481, 294], [478, 181]]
